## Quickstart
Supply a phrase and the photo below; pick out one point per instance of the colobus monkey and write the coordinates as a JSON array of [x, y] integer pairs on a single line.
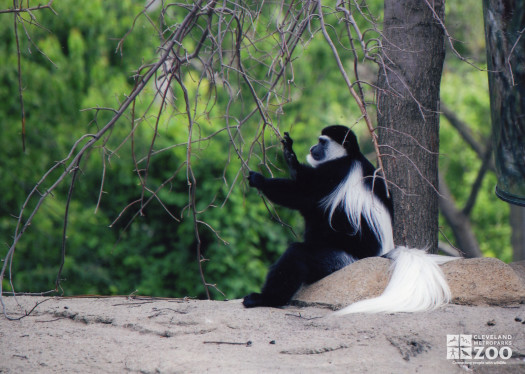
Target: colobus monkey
[[348, 216]]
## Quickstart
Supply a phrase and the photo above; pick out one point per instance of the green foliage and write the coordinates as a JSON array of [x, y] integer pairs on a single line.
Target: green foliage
[[156, 254]]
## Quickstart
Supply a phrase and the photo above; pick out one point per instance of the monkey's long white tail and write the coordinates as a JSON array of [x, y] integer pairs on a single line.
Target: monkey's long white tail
[[417, 284]]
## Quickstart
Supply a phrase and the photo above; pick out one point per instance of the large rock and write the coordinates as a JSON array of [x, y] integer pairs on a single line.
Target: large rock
[[483, 281], [361, 280], [478, 281], [519, 268]]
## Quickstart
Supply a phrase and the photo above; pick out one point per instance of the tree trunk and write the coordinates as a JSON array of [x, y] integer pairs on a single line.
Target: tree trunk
[[517, 222], [408, 104], [504, 29]]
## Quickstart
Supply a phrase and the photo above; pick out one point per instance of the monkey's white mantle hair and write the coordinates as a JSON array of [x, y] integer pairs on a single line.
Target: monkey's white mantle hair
[[357, 201]]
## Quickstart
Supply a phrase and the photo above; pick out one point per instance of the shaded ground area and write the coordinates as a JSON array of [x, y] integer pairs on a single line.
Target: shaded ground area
[[143, 335]]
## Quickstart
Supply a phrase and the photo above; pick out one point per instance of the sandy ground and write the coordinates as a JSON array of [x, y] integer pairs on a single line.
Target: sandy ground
[[143, 335]]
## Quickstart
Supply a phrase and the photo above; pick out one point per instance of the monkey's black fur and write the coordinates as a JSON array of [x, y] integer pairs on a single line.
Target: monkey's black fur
[[330, 243]]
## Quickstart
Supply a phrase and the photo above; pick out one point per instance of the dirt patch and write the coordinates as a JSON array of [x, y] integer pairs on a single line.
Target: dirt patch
[[115, 335]]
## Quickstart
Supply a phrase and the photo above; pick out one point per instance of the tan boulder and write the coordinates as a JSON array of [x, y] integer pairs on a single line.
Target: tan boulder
[[361, 280], [483, 281], [477, 281], [519, 268]]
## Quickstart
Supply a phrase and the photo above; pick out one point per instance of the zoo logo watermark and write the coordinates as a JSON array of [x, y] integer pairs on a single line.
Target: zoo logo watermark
[[479, 349]]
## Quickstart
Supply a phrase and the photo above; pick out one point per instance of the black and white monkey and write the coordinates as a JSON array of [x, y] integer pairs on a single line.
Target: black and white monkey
[[348, 216]]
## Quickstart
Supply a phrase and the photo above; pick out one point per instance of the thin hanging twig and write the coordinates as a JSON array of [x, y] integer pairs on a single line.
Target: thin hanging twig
[[73, 158], [354, 94]]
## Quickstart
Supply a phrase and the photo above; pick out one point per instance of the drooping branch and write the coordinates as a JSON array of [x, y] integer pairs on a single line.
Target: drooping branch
[[357, 97], [476, 186], [20, 87], [75, 155], [466, 133], [64, 229], [17, 10], [459, 222], [20, 9]]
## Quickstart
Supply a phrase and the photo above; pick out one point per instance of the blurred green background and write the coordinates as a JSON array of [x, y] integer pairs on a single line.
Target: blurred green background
[[156, 255]]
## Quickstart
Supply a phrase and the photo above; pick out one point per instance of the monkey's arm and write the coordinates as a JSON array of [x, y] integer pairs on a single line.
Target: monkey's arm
[[289, 156], [285, 192], [294, 166]]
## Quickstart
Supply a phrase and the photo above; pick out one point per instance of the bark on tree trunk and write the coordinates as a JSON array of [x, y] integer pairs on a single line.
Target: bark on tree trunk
[[517, 222], [408, 105], [504, 33], [504, 29]]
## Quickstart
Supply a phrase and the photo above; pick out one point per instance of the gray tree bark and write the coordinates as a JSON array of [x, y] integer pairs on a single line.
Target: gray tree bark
[[408, 104], [504, 34], [504, 29], [517, 222]]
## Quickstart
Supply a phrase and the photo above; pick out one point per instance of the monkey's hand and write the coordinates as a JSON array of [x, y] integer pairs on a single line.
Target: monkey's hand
[[287, 141], [255, 179], [289, 155]]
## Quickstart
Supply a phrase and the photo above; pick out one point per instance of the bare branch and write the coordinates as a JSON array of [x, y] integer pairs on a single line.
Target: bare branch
[[507, 59], [466, 133], [354, 94], [20, 88], [19, 9], [64, 230], [74, 158], [458, 221], [476, 186], [449, 38]]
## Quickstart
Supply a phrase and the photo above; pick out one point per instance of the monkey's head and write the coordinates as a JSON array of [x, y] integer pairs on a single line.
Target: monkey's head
[[335, 142]]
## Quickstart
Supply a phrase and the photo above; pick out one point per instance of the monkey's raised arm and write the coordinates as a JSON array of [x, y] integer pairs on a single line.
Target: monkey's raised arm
[[289, 155], [294, 166]]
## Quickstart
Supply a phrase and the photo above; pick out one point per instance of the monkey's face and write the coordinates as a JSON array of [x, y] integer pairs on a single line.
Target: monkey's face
[[326, 150]]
